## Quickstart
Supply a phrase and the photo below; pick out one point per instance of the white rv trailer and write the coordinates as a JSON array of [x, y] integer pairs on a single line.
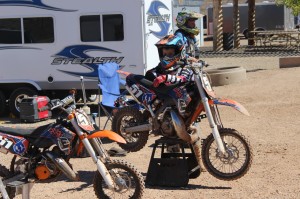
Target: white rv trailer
[[46, 45]]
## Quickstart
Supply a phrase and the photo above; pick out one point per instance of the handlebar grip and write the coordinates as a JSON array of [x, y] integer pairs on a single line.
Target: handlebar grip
[[67, 100], [204, 63]]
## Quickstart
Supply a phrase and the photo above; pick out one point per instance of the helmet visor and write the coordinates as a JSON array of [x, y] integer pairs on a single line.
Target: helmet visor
[[168, 51]]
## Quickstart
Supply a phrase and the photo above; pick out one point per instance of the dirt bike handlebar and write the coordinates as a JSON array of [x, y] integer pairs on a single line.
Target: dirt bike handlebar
[[56, 103]]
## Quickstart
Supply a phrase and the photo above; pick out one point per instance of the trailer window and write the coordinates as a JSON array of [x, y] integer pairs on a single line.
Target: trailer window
[[38, 30], [10, 31], [113, 29], [90, 28]]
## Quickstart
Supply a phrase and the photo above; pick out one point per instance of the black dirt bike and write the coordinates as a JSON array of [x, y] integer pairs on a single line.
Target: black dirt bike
[[42, 154], [225, 153]]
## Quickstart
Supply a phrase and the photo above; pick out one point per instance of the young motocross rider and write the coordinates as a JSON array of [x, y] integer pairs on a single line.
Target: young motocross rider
[[171, 50], [187, 30]]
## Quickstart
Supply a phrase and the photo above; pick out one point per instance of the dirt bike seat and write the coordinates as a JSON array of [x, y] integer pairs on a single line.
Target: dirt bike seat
[[34, 135], [17, 131], [163, 89]]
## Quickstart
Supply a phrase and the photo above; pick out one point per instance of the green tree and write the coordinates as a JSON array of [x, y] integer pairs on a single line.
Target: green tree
[[293, 4]]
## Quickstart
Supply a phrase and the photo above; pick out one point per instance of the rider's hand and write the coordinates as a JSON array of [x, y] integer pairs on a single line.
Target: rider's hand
[[192, 59], [160, 79]]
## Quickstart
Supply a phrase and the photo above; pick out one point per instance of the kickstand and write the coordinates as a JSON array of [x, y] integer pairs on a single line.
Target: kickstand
[[3, 190]]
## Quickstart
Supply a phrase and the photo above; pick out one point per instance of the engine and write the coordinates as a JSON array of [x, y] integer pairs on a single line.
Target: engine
[[46, 169], [167, 126]]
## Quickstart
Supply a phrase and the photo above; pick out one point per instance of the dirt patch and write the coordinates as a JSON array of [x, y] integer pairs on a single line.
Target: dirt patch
[[272, 98]]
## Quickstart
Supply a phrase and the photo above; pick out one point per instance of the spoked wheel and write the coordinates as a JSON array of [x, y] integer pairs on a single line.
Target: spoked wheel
[[237, 160], [129, 117], [128, 182], [5, 174]]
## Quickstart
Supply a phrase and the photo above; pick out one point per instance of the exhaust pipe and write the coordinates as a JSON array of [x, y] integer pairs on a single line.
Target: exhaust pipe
[[180, 127], [63, 166]]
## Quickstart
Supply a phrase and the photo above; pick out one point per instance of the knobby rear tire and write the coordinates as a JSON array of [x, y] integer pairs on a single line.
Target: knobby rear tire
[[137, 117]]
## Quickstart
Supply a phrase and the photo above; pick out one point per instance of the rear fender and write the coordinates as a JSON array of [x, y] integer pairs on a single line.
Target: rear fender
[[231, 103], [107, 134]]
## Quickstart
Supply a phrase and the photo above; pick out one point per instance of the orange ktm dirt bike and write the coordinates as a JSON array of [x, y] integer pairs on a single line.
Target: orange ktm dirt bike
[[225, 153], [42, 154]]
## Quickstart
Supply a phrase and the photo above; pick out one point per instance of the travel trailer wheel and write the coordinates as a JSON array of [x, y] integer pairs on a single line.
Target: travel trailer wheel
[[16, 98], [2, 104]]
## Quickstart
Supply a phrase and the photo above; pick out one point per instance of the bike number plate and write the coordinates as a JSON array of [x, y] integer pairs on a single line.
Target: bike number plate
[[206, 83], [84, 121]]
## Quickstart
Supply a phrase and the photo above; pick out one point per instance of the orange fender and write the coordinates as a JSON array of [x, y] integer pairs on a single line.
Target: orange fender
[[231, 103], [107, 134]]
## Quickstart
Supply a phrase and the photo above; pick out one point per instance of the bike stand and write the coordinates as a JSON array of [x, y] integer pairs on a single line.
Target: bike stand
[[26, 188], [3, 190], [21, 186], [171, 168]]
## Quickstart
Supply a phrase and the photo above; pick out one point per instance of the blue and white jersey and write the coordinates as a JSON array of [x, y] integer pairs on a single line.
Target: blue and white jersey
[[189, 42]]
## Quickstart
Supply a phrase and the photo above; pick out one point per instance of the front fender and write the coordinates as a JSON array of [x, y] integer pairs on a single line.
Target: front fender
[[107, 134], [231, 103]]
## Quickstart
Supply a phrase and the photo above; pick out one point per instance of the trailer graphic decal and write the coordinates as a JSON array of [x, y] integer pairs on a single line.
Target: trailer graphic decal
[[32, 3], [154, 16], [76, 54]]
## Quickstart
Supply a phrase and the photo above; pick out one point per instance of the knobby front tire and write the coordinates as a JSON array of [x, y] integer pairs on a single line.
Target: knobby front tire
[[237, 160], [132, 183]]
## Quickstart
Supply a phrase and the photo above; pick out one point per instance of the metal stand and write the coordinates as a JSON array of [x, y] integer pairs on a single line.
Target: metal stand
[[172, 168], [26, 188], [3, 190], [23, 187]]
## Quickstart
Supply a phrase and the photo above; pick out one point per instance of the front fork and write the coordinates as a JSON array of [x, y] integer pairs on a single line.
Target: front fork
[[210, 117], [100, 165]]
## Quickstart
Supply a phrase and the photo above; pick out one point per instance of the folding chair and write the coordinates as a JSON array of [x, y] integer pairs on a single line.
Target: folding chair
[[109, 83]]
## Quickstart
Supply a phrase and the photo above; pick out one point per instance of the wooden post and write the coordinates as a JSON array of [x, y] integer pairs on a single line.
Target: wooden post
[[251, 21], [236, 23], [218, 25]]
